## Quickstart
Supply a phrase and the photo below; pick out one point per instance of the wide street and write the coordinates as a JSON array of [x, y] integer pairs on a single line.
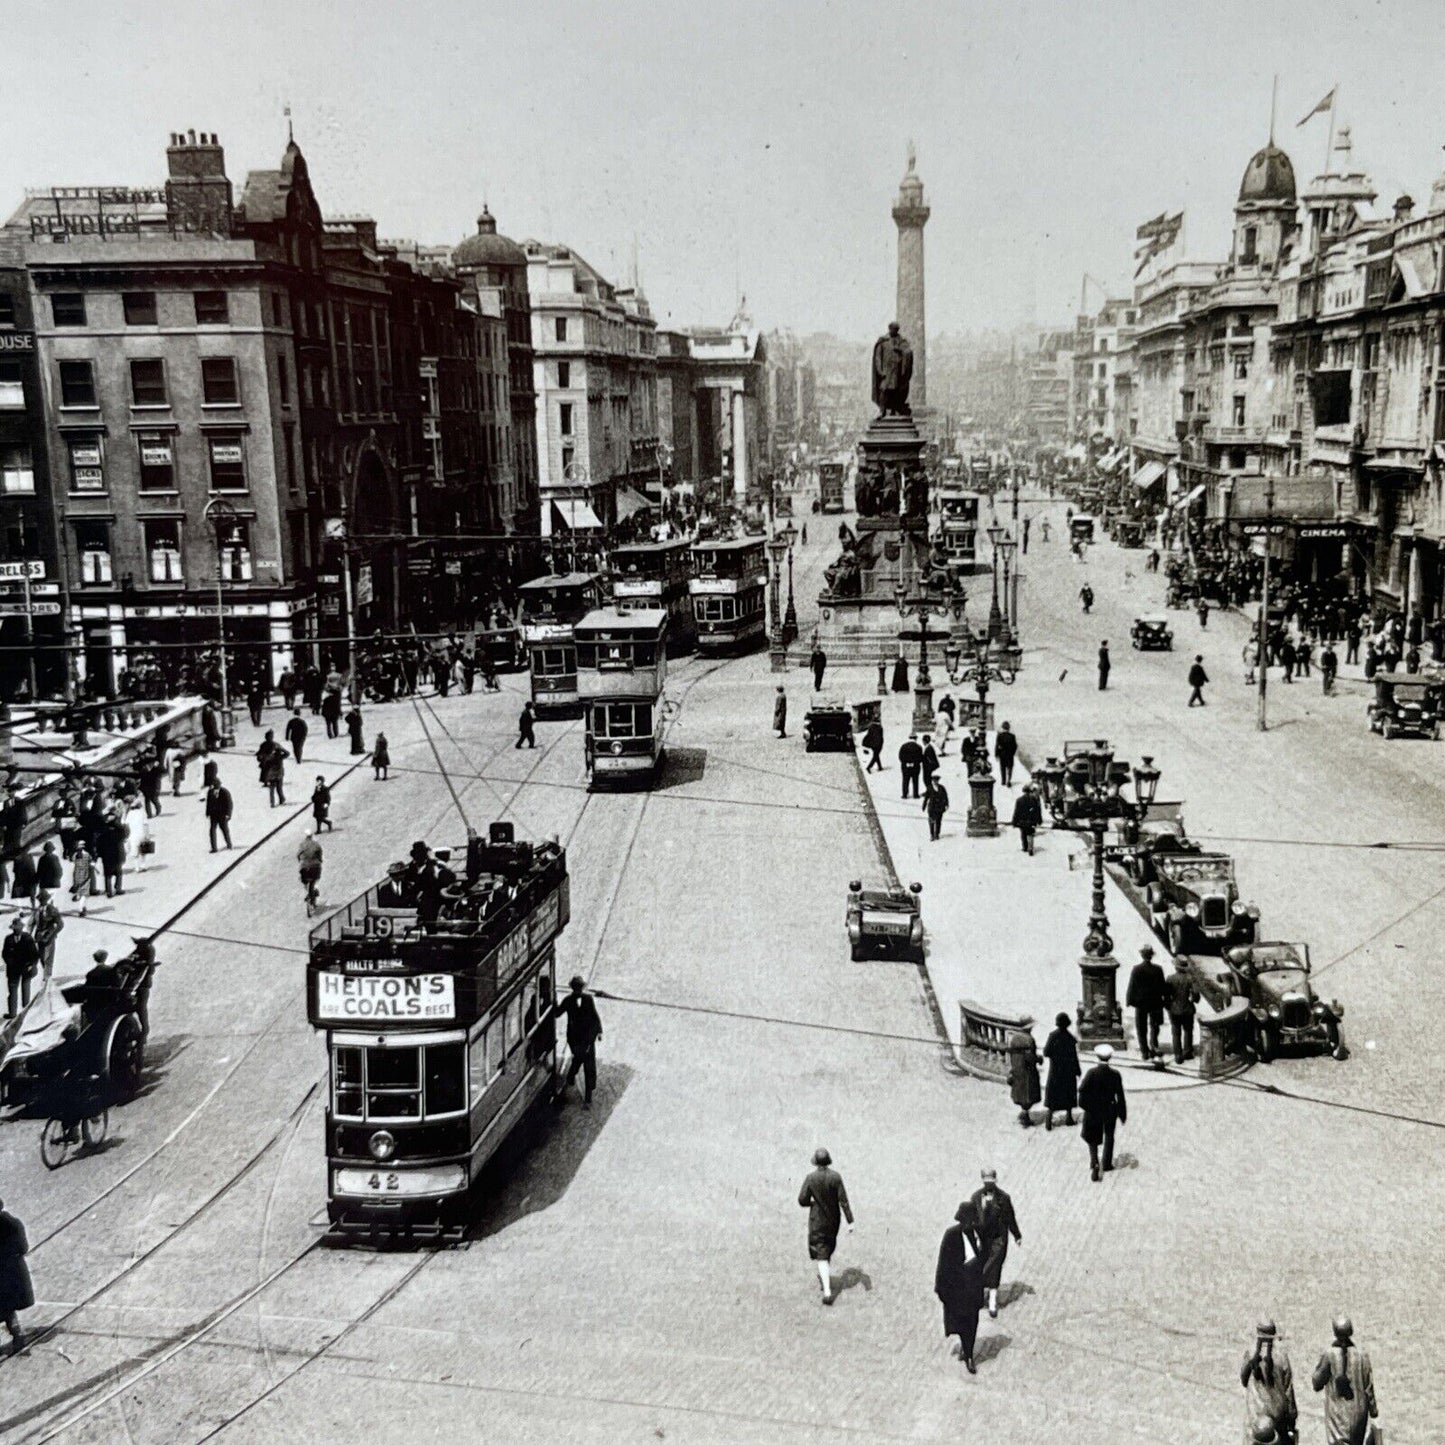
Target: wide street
[[642, 1273]]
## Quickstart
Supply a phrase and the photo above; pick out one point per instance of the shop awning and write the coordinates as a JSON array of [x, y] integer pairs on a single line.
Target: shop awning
[[1149, 475], [630, 503], [1190, 496], [1109, 461], [577, 514]]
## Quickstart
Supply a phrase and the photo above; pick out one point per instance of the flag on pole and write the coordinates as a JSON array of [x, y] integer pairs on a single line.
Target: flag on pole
[[1324, 105], [1156, 235]]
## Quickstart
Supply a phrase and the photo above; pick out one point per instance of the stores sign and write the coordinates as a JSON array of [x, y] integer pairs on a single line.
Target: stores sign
[[345, 997]]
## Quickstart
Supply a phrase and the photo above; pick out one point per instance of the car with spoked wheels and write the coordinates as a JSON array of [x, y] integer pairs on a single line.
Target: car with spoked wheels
[[884, 922], [1405, 706], [1151, 634], [1284, 1010], [1194, 903]]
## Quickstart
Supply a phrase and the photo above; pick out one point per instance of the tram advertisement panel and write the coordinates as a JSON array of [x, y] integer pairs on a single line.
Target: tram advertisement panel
[[348, 997]]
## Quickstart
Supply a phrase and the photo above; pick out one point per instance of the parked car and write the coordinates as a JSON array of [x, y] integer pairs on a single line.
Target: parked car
[[828, 726], [1284, 1009], [1081, 527], [1155, 840], [1129, 534], [1195, 906], [884, 921], [1405, 706], [1152, 634]]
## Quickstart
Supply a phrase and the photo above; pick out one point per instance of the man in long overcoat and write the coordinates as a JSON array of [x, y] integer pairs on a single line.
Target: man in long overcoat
[[16, 1292], [1061, 1091], [1101, 1096], [1146, 995], [1023, 1074], [584, 1029], [994, 1211], [958, 1283], [780, 712]]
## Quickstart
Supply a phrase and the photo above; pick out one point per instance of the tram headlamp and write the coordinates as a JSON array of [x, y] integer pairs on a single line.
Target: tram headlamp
[[616, 750], [382, 1145]]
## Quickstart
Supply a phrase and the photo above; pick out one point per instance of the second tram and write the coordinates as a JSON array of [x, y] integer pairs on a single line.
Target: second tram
[[549, 608], [621, 673], [729, 582], [655, 574], [830, 486], [958, 526], [436, 993]]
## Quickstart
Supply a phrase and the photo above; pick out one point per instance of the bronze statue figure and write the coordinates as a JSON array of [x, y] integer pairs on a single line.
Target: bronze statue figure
[[892, 373]]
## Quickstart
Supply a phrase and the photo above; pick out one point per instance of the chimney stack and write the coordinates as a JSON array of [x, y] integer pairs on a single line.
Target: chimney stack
[[198, 192]]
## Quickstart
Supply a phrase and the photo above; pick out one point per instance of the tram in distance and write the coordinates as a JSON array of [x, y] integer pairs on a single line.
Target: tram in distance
[[621, 672], [655, 574], [548, 608], [729, 579], [436, 994], [958, 528]]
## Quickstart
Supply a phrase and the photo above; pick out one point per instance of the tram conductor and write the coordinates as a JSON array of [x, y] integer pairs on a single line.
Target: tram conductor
[[584, 1028]]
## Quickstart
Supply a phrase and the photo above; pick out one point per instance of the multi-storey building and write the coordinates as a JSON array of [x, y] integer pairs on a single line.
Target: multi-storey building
[[1050, 387]]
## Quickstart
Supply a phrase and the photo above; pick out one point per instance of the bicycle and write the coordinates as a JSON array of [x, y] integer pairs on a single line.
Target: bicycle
[[76, 1129]]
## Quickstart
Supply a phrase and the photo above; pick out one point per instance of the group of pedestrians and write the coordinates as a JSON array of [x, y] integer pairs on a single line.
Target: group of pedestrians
[[1343, 1375], [1151, 993]]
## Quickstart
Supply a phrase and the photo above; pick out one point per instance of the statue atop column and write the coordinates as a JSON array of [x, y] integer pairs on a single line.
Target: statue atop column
[[892, 373]]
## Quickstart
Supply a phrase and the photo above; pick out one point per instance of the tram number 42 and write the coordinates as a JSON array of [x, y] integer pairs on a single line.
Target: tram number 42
[[384, 1182]]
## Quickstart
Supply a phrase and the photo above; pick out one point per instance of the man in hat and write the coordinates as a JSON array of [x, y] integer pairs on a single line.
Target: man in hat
[[47, 925], [818, 661], [1181, 993], [295, 734], [826, 1201], [1028, 815], [584, 1028], [1197, 678], [1146, 997], [391, 892], [16, 1292], [1268, 1386], [1101, 1097], [22, 958], [1005, 749], [1344, 1374], [1105, 664], [910, 764], [308, 860], [780, 712], [525, 731], [994, 1213], [1061, 1091]]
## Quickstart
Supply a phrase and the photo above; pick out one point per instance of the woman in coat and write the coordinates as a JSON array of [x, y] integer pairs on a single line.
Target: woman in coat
[[353, 728], [1062, 1089], [958, 1283], [16, 1292], [380, 758], [1023, 1074]]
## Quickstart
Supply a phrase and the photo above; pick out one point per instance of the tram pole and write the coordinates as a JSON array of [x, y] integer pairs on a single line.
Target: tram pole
[[1261, 721]]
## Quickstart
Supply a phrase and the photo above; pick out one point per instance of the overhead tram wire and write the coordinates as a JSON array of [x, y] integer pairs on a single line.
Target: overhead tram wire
[[446, 776]]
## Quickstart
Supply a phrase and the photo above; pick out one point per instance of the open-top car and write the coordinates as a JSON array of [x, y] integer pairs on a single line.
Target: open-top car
[[1156, 838], [884, 922], [1195, 906], [1152, 634], [1284, 1009], [827, 726], [1405, 706]]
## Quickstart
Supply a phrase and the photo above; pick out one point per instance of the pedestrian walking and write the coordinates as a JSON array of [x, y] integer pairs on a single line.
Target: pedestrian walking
[[1181, 993], [82, 876], [16, 1291], [1044, 530], [1345, 1376], [525, 722], [138, 831], [818, 661], [353, 729], [176, 767], [1025, 546], [935, 804], [1023, 1074], [24, 875], [1061, 1089], [321, 806], [218, 806], [993, 1212], [287, 683], [958, 1283], [1329, 668], [1146, 996], [1005, 749], [22, 961], [943, 727], [111, 847], [331, 712], [46, 927], [380, 758], [308, 859], [1028, 816], [1251, 662], [1086, 598], [210, 729], [49, 870], [311, 688], [825, 1198], [1303, 654], [254, 700], [1287, 656], [1268, 1386], [1197, 679], [274, 775], [1104, 666], [900, 673], [296, 731], [910, 762], [780, 712], [1101, 1097], [1352, 643], [1203, 610], [263, 754], [929, 762], [584, 1029], [873, 744]]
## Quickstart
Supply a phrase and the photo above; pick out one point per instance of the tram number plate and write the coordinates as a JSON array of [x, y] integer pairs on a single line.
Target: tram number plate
[[399, 1182]]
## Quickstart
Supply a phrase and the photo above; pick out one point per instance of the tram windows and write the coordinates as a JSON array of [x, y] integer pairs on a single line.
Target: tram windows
[[393, 1083], [553, 661], [478, 1074], [514, 1023], [716, 609], [347, 1100], [621, 720], [446, 1084]]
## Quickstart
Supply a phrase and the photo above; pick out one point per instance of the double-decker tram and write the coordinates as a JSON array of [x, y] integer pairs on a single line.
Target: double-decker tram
[[621, 672], [831, 476], [436, 995], [958, 525], [548, 609], [655, 574], [728, 584]]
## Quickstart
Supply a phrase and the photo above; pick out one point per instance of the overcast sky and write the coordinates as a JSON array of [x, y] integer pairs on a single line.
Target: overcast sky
[[752, 144]]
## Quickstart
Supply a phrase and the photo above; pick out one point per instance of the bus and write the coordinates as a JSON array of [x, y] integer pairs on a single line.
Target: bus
[[621, 672], [548, 608], [728, 582], [436, 994], [655, 574], [958, 526], [830, 485]]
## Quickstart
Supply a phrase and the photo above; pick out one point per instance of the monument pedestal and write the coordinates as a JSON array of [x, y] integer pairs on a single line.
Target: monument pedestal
[[1100, 1018], [982, 815]]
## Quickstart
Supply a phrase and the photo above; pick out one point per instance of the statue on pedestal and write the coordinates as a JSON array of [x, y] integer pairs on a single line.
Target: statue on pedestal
[[892, 373]]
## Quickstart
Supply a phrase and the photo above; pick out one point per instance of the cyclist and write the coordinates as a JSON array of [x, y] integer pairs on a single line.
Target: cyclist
[[308, 856]]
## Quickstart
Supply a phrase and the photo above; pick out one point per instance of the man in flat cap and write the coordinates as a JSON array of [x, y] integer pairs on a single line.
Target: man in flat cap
[[1101, 1097]]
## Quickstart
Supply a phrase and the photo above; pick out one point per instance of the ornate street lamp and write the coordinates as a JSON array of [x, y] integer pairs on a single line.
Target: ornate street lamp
[[984, 665], [777, 640], [790, 615], [1007, 547], [995, 618], [1084, 794], [952, 603], [222, 516]]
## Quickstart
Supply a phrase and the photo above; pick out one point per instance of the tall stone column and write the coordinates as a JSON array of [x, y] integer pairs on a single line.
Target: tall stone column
[[910, 215], [740, 445]]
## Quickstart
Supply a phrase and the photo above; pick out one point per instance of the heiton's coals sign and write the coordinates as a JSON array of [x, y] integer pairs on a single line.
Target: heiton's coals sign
[[349, 998]]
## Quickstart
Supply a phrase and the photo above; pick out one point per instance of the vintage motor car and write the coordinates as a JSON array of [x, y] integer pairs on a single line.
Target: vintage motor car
[[1081, 527], [1129, 534], [1155, 839], [1284, 1009], [1195, 906], [1405, 706], [884, 922], [1151, 634], [828, 726]]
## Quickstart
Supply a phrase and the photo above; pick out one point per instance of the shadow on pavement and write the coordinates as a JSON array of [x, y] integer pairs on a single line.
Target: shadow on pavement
[[681, 766], [851, 1277], [990, 1348], [1012, 1292]]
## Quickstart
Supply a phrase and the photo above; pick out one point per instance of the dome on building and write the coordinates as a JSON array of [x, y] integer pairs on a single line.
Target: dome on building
[[487, 248], [1269, 176]]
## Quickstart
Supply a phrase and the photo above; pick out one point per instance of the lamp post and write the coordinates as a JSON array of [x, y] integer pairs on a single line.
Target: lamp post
[[995, 617], [923, 606], [575, 474], [1007, 547], [777, 643], [222, 516], [983, 667], [1083, 794], [790, 614]]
